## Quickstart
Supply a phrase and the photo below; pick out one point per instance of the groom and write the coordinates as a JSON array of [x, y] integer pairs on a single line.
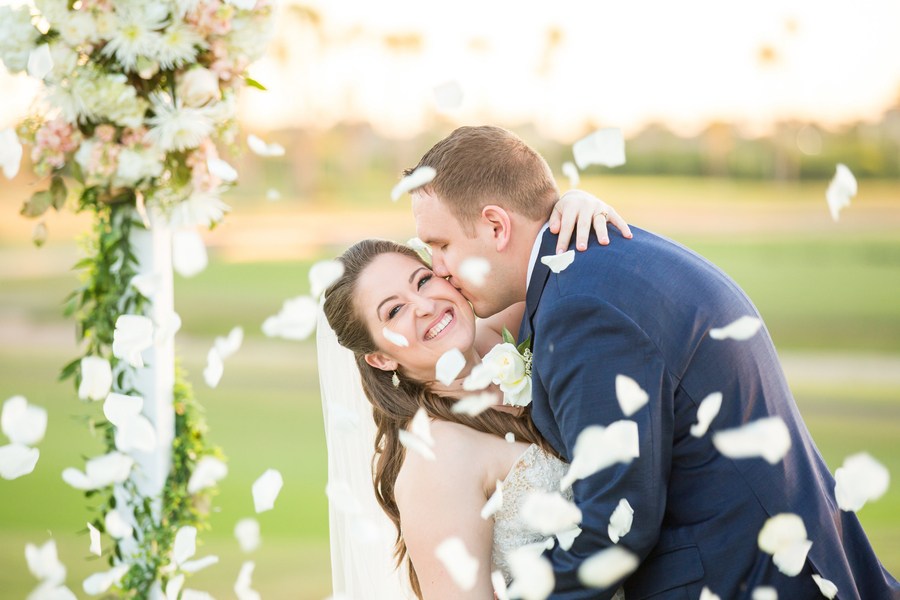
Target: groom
[[643, 309]]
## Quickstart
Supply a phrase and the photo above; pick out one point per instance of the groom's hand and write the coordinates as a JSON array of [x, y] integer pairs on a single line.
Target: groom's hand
[[577, 211]]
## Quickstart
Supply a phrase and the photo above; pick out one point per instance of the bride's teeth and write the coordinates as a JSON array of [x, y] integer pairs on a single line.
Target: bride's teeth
[[442, 324]]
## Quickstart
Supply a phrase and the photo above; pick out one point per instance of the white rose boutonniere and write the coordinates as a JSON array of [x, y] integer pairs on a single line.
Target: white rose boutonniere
[[510, 367]]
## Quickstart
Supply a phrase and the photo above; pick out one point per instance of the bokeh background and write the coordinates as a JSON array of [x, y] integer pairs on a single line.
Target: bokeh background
[[735, 117]]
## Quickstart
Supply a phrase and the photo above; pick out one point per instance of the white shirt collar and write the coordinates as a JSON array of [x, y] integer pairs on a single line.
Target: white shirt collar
[[534, 253]]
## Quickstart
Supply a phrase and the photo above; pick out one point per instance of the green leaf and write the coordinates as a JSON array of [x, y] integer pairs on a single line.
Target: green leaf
[[37, 204], [77, 173], [254, 83], [507, 337], [524, 346], [58, 192]]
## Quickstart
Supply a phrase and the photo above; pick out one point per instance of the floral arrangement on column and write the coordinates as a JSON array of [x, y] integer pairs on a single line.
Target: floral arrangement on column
[[138, 99]]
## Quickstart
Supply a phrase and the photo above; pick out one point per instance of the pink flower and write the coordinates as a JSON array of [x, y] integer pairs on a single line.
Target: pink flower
[[211, 18], [105, 133], [134, 137], [201, 178], [52, 142]]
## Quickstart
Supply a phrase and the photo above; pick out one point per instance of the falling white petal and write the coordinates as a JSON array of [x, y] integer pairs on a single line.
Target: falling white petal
[[841, 189], [418, 245], [77, 479], [323, 274], [10, 152], [51, 591], [784, 537], [221, 169], [166, 328], [116, 525], [273, 195], [603, 147], [133, 430], [414, 180], [599, 447], [173, 587], [498, 582], [23, 423], [395, 338], [861, 479], [620, 521], [549, 513], [188, 253], [764, 592], [208, 472], [96, 378], [415, 443], [474, 405], [607, 567], [448, 96], [510, 437], [296, 321], [242, 586], [449, 366], [192, 566], [17, 460], [261, 148], [227, 346], [247, 533], [43, 562], [95, 540], [790, 560], [214, 369], [98, 583], [185, 545], [40, 62], [707, 594], [461, 565], [478, 378], [119, 408], [532, 574], [630, 395], [147, 284], [567, 538], [266, 489], [706, 412], [559, 262], [494, 503], [133, 335], [189, 594], [474, 270], [741, 329], [768, 438], [828, 589], [100, 472], [571, 171], [242, 4]]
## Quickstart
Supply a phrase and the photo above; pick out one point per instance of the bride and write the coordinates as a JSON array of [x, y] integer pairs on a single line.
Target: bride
[[386, 295]]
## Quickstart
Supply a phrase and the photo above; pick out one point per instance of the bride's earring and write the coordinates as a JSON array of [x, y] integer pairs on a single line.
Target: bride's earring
[[395, 380]]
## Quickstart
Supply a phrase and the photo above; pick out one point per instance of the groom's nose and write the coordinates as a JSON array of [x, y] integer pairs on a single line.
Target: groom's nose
[[438, 266]]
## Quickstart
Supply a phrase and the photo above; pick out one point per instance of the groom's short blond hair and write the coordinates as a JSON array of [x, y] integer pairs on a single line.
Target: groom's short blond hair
[[477, 166]]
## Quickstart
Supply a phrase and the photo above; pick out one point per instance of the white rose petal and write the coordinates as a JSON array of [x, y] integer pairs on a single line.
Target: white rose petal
[[173, 587], [261, 148], [227, 346], [532, 574], [706, 412], [418, 437], [790, 560], [266, 489], [449, 366], [166, 328], [841, 189], [498, 582], [421, 426], [100, 472], [133, 430], [95, 540], [418, 245], [494, 503], [116, 525], [197, 87], [567, 538], [461, 565], [559, 262], [242, 586], [10, 152], [395, 338], [859, 480], [242, 4], [603, 147], [43, 562], [221, 169], [214, 369], [474, 270], [17, 460], [448, 96], [185, 545], [40, 62], [707, 594], [247, 533], [828, 589], [51, 591], [607, 567], [510, 437], [323, 274], [96, 378], [414, 180], [273, 195], [189, 255], [784, 537], [189, 594], [192, 566], [741, 329], [764, 592], [571, 171], [23, 423], [99, 583], [630, 395], [620, 521], [478, 378], [474, 405], [768, 438], [296, 321], [549, 513], [208, 472], [133, 335], [599, 447]]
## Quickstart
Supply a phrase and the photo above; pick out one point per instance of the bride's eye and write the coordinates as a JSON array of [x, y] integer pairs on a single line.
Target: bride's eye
[[393, 312], [424, 279]]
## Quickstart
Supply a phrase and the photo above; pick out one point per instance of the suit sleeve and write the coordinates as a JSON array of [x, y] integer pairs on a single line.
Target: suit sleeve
[[581, 345]]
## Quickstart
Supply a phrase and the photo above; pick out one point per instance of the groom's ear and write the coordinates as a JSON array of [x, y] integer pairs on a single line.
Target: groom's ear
[[500, 223], [382, 361]]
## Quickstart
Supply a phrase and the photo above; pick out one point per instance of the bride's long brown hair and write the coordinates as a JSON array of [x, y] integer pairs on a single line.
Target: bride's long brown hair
[[394, 407]]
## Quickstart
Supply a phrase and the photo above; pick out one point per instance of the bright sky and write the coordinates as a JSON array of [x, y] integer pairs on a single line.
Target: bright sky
[[615, 64]]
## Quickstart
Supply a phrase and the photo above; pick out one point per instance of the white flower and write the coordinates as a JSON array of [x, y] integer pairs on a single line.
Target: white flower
[[96, 378], [414, 180], [135, 164], [77, 28], [201, 209], [188, 253], [100, 472], [508, 369], [266, 489], [208, 472], [603, 147], [741, 329], [860, 479], [242, 4], [137, 33], [23, 423], [461, 565], [40, 63], [598, 447], [17, 460], [99, 583], [178, 127], [296, 321], [133, 430], [247, 533], [133, 335], [221, 169], [17, 37], [607, 567], [177, 45], [784, 537], [261, 148], [43, 562], [197, 86], [841, 189], [768, 438], [10, 150]]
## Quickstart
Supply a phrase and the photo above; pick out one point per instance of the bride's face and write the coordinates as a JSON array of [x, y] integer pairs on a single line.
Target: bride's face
[[403, 295]]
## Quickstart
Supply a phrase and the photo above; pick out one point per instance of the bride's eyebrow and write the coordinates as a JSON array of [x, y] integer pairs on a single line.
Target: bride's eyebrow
[[389, 298]]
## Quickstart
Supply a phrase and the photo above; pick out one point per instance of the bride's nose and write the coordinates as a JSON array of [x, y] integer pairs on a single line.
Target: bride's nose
[[424, 306]]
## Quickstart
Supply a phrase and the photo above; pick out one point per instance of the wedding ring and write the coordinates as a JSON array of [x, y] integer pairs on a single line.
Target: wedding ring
[[605, 215]]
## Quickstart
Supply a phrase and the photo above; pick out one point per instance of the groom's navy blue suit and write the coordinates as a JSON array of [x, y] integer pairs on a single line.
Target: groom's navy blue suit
[[643, 308]]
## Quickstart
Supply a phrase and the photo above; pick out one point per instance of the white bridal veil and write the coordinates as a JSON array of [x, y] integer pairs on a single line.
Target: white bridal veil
[[362, 536]]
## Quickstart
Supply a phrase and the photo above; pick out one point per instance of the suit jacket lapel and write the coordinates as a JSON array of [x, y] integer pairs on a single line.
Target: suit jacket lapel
[[539, 274]]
